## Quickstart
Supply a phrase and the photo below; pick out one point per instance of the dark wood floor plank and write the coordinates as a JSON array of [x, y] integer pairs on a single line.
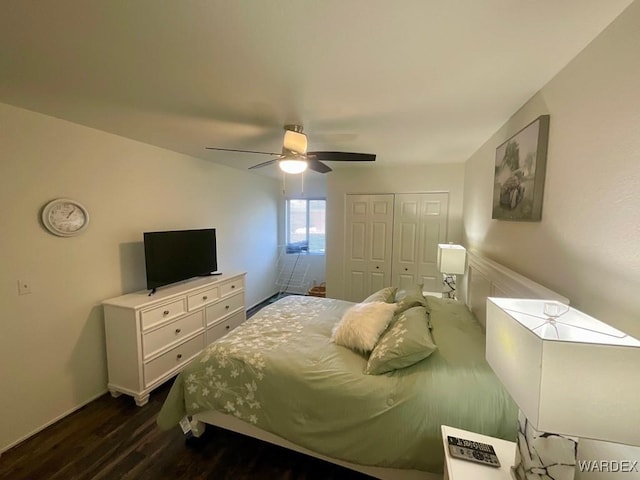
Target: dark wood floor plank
[[113, 439]]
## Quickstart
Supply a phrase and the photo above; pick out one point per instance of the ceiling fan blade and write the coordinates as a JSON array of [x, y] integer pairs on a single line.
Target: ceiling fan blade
[[241, 151], [317, 166], [264, 164], [343, 156]]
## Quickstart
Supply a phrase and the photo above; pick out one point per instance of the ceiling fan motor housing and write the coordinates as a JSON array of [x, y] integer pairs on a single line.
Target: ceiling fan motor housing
[[294, 142]]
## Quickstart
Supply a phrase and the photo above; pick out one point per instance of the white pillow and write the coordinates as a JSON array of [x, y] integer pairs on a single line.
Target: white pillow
[[362, 325]]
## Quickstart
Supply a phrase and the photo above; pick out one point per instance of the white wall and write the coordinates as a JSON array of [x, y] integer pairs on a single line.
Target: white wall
[[423, 179], [587, 246], [52, 354]]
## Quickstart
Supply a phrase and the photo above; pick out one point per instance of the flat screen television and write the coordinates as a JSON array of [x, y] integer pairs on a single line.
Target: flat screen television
[[177, 255]]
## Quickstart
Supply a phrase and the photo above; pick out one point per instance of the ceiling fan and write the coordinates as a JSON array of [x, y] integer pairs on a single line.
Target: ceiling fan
[[295, 158]]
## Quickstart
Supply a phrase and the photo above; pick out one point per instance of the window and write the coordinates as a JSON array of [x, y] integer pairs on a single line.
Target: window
[[305, 220]]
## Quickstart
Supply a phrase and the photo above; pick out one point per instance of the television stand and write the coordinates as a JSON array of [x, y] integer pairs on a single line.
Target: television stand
[[150, 339]]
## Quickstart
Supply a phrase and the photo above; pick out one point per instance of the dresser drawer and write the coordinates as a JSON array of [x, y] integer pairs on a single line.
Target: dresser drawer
[[170, 361], [163, 313], [202, 297], [164, 336], [227, 305], [228, 288], [222, 328]]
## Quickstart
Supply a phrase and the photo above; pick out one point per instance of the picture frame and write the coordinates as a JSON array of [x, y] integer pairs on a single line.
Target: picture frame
[[519, 173]]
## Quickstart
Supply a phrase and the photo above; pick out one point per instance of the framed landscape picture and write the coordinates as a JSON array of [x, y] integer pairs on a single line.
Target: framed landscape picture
[[519, 172]]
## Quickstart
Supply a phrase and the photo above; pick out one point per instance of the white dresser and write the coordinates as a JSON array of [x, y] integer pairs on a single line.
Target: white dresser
[[151, 337]]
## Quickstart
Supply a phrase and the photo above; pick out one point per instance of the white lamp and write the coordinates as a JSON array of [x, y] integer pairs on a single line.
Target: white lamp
[[569, 374], [451, 262]]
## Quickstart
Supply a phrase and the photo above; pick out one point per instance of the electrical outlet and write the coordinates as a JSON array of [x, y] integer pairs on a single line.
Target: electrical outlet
[[24, 287]]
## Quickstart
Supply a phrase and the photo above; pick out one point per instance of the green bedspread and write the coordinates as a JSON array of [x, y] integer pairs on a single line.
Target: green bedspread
[[280, 371]]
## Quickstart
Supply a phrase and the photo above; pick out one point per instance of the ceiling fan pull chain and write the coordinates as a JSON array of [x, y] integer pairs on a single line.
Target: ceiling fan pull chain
[[302, 183]]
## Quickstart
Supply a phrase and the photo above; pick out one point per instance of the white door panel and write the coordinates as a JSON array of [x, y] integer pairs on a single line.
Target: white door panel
[[379, 242], [420, 222], [356, 280], [405, 281], [358, 235], [393, 240], [376, 282], [368, 244]]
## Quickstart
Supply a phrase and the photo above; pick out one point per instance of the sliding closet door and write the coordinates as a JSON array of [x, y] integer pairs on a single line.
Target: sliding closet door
[[420, 223], [369, 226]]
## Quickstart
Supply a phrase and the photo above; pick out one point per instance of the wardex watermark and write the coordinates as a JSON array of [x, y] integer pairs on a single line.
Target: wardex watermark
[[622, 466]]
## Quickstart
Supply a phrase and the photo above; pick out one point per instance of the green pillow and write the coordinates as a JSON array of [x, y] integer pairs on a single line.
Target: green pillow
[[410, 297], [386, 294], [406, 341]]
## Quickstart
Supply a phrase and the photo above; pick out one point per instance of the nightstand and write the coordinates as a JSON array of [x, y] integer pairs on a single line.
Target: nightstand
[[456, 469]]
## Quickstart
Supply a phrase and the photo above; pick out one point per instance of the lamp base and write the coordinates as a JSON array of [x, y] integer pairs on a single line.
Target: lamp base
[[448, 286], [542, 455], [512, 470]]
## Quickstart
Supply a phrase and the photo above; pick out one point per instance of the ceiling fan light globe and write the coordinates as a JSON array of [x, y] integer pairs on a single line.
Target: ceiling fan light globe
[[292, 166]]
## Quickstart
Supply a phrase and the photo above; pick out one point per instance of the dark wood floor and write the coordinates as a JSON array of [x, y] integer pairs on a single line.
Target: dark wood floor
[[112, 438]]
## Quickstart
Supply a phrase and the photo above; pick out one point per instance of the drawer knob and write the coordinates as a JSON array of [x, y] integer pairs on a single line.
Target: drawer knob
[[227, 327], [165, 313], [204, 297], [406, 269], [233, 286], [227, 307], [178, 330], [179, 356]]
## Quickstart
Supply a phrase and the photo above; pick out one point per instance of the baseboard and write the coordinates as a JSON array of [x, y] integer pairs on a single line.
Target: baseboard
[[250, 311], [258, 305], [49, 423]]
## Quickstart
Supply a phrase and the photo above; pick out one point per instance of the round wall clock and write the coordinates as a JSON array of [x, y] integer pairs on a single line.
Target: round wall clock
[[65, 217]]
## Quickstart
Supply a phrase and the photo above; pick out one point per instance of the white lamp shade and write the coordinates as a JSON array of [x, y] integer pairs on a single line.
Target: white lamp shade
[[451, 258], [575, 376]]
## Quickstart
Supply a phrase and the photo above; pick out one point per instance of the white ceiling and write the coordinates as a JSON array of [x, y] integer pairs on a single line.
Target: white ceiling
[[414, 81]]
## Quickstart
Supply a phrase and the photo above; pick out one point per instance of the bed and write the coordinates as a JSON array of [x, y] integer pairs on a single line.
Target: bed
[[279, 377]]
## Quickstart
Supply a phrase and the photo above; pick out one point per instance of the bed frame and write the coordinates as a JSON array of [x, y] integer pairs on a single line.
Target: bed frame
[[484, 278]]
